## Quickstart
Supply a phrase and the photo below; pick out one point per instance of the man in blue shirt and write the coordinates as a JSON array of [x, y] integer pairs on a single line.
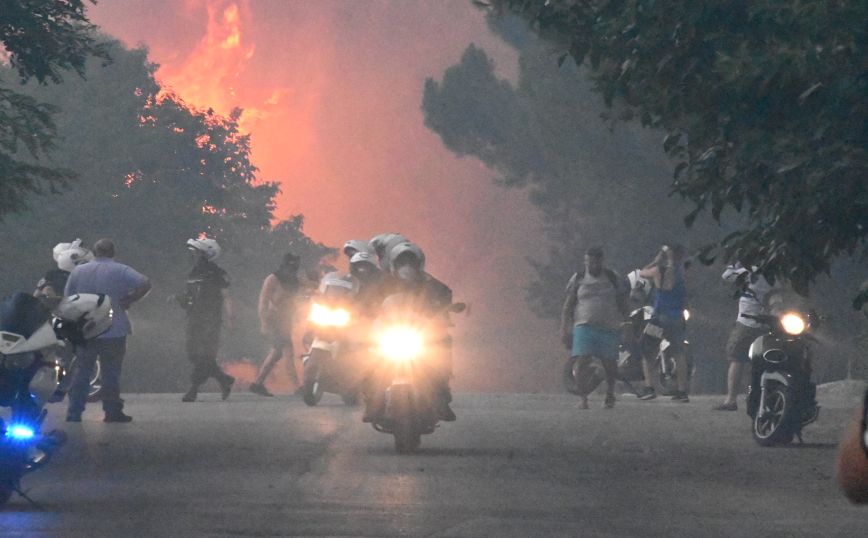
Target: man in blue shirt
[[124, 285]]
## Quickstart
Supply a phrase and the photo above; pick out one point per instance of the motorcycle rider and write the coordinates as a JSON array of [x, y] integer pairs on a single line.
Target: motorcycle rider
[[67, 256], [753, 289], [667, 273], [383, 245], [276, 304], [430, 297], [591, 317], [370, 283], [205, 300], [354, 246]]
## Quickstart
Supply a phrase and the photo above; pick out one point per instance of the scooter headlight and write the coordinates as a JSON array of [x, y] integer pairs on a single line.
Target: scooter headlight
[[324, 316], [401, 344], [793, 323]]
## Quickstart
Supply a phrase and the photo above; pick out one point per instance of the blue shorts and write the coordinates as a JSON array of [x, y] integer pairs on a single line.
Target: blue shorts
[[597, 342]]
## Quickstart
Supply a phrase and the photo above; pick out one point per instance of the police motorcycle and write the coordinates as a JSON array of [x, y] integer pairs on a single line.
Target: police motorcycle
[[782, 398], [407, 342], [641, 337], [29, 334], [329, 364]]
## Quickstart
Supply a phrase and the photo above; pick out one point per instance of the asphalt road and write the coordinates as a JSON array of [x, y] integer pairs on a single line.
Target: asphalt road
[[513, 465]]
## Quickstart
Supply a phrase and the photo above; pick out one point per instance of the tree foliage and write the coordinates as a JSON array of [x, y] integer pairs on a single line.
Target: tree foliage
[[42, 39], [763, 105]]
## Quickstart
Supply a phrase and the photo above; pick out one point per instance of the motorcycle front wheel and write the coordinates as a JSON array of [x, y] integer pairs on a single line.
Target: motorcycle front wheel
[[312, 390], [773, 422]]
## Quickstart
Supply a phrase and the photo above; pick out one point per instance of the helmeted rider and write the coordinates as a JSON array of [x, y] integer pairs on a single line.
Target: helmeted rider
[[430, 297], [383, 245], [67, 256], [371, 283], [205, 300], [355, 246]]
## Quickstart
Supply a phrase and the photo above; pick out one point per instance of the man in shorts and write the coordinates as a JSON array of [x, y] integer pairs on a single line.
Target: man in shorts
[[595, 307], [753, 290]]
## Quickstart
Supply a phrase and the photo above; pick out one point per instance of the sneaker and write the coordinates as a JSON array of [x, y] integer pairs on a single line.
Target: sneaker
[[226, 386], [117, 416], [609, 402], [190, 396], [732, 406], [259, 388], [680, 397], [647, 393]]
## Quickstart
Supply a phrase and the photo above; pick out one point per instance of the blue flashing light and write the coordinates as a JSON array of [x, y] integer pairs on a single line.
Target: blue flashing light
[[20, 432]]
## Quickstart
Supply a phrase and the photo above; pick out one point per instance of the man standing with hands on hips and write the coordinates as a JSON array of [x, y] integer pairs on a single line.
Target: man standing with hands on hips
[[124, 285]]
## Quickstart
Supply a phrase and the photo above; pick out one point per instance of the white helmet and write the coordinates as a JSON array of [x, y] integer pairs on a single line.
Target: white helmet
[[208, 246], [404, 250], [639, 287], [85, 315], [357, 245], [381, 243], [69, 255], [360, 259]]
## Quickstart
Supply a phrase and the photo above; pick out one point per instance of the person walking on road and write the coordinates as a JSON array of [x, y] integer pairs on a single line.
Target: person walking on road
[[595, 307], [276, 305], [124, 285], [751, 302], [667, 271], [206, 299]]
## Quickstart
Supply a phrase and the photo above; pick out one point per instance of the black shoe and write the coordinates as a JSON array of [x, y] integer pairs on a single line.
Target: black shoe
[[647, 393], [680, 397], [226, 386], [190, 396], [73, 417], [259, 388], [609, 402], [118, 416]]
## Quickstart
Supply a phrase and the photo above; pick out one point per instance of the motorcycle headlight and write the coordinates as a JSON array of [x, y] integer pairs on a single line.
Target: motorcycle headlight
[[686, 315], [793, 323], [328, 317], [401, 344]]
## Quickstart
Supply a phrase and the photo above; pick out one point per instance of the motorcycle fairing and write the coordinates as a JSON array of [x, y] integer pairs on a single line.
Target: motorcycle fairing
[[43, 337]]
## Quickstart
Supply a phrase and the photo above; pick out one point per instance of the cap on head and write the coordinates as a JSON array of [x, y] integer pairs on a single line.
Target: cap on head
[[104, 248]]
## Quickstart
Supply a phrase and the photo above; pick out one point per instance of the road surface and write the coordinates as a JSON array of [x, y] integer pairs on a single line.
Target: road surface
[[513, 465]]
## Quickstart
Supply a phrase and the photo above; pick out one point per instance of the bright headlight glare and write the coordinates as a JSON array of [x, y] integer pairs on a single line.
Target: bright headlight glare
[[328, 317], [793, 323], [401, 344], [686, 315]]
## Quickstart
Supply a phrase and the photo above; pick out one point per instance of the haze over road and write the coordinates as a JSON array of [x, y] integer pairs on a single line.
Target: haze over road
[[512, 465]]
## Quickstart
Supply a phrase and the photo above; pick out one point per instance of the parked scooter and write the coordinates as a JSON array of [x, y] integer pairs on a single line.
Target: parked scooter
[[330, 365], [28, 337], [782, 398], [407, 348]]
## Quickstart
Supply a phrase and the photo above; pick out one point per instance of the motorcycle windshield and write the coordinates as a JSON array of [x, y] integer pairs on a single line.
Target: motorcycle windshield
[[22, 314]]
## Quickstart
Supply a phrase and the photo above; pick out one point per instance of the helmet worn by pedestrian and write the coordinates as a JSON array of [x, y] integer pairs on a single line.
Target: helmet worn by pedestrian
[[70, 255], [207, 246]]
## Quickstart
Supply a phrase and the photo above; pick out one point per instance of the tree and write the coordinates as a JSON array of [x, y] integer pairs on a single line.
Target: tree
[[42, 38], [763, 105]]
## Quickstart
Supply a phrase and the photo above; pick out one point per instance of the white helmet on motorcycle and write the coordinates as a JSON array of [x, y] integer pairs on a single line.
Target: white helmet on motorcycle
[[85, 316], [209, 247], [354, 246], [363, 264], [69, 255], [406, 254]]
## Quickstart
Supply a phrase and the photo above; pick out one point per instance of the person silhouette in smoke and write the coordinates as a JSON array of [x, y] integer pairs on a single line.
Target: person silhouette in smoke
[[276, 304]]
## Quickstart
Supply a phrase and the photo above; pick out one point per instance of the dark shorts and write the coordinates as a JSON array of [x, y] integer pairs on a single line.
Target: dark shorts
[[740, 339], [674, 330]]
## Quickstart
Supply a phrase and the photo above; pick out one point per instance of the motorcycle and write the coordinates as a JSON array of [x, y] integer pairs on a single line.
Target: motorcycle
[[407, 346], [782, 398], [67, 364], [28, 337], [327, 364]]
